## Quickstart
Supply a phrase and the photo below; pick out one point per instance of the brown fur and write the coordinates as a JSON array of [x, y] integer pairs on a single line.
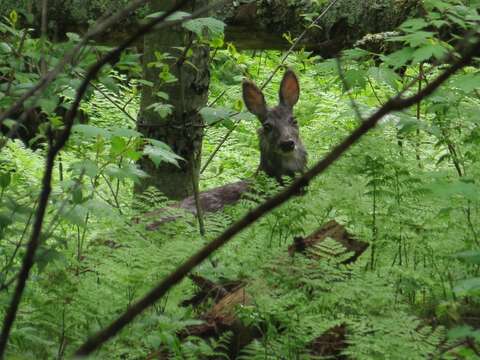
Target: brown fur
[[281, 150]]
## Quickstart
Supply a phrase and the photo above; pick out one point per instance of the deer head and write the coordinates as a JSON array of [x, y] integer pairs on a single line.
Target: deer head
[[281, 149]]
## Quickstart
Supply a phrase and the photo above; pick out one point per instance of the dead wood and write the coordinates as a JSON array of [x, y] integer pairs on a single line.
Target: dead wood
[[331, 343], [227, 295], [314, 245], [208, 289]]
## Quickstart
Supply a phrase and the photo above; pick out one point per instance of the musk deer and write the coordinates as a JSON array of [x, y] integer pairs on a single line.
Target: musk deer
[[281, 150]]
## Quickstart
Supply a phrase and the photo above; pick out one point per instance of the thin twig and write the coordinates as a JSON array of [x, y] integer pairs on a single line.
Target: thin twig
[[217, 98], [395, 104], [297, 42], [55, 147], [380, 102], [9, 263], [346, 86], [101, 26], [109, 98], [284, 58], [193, 168]]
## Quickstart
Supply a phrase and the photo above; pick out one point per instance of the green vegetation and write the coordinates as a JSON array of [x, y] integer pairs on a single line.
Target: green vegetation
[[409, 188]]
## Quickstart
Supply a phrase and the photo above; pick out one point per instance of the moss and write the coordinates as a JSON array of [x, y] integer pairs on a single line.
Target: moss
[[67, 15], [344, 24]]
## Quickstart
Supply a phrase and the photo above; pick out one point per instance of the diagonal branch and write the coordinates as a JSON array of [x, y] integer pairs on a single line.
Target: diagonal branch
[[57, 146], [101, 27], [395, 104], [282, 62]]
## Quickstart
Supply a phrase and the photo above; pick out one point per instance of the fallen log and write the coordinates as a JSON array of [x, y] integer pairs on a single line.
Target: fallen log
[[316, 245], [330, 344], [211, 201], [331, 241]]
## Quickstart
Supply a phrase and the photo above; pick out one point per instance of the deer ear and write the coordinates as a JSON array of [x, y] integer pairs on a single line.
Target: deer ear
[[289, 89], [254, 99]]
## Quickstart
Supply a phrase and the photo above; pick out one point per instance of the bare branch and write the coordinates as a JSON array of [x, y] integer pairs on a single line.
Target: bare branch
[[297, 42], [284, 58], [346, 86], [395, 104], [101, 26], [109, 98], [54, 149]]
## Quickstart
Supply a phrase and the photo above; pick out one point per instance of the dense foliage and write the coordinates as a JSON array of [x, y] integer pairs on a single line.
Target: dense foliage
[[409, 189]]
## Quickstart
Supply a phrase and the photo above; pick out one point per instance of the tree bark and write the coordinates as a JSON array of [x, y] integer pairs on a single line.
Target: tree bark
[[183, 129]]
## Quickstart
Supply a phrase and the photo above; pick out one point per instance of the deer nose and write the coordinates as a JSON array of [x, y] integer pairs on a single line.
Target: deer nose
[[288, 145]]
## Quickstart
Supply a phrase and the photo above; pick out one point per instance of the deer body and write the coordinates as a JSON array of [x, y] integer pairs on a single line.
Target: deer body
[[282, 152]]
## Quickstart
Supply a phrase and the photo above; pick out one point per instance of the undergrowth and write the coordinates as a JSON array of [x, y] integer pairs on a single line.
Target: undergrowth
[[399, 189]]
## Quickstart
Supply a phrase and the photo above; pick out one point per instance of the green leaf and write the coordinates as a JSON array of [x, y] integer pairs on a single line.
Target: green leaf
[[469, 257], [145, 82], [87, 167], [428, 51], [462, 332], [438, 4], [413, 25], [118, 145], [467, 82], [98, 207], [75, 214], [77, 195], [355, 78], [5, 48], [5, 219], [159, 151], [74, 37], [468, 287], [46, 256], [414, 39], [162, 95], [13, 17], [48, 105], [154, 341], [213, 115], [128, 171], [355, 54], [385, 75], [198, 26], [5, 179], [465, 189], [128, 133], [90, 131], [399, 58], [110, 83], [407, 124], [163, 110]]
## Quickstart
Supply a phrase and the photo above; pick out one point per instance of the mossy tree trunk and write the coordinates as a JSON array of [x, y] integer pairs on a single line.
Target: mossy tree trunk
[[183, 129]]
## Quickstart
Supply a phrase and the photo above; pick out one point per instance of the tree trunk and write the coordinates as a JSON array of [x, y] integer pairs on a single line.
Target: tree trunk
[[182, 130]]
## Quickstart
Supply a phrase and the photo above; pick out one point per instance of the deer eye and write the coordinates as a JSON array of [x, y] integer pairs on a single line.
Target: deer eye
[[267, 127], [293, 121]]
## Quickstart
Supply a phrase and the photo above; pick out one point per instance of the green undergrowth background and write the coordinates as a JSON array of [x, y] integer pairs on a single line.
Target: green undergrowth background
[[396, 189]]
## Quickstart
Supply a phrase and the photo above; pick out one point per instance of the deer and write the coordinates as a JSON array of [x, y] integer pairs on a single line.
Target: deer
[[282, 152]]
